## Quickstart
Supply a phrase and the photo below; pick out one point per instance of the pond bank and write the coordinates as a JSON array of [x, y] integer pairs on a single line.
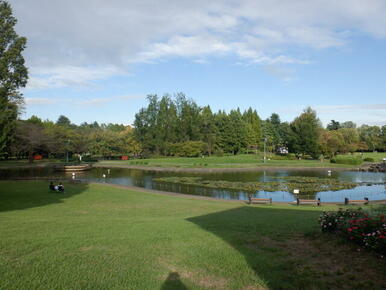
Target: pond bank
[[171, 168], [221, 170], [168, 193], [200, 197]]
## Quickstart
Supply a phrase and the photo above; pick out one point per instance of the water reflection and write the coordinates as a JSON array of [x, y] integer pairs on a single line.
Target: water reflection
[[131, 177]]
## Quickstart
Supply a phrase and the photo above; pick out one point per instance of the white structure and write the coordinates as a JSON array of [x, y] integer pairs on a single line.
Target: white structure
[[282, 150]]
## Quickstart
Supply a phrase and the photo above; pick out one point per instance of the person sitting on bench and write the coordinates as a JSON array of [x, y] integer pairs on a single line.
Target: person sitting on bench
[[52, 186], [60, 187]]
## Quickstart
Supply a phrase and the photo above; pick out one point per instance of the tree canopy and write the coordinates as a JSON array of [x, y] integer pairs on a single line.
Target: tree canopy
[[13, 75]]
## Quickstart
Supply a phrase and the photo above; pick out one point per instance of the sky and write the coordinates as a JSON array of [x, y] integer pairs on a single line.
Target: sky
[[98, 60]]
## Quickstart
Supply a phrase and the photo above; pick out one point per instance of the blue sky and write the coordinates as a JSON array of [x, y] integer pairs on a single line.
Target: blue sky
[[99, 62]]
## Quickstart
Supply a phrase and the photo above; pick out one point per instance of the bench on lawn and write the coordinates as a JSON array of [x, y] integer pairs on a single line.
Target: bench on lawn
[[308, 201], [364, 201], [260, 200]]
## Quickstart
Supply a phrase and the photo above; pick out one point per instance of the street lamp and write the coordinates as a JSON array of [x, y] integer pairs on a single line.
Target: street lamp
[[68, 144], [265, 151]]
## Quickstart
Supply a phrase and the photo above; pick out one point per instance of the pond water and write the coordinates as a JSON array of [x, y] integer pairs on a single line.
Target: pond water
[[370, 184]]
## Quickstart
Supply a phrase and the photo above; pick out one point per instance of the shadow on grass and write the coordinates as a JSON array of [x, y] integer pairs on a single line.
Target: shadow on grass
[[255, 232], [17, 195], [173, 281]]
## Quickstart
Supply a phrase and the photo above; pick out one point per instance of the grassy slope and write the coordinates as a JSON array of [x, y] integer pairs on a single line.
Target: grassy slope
[[238, 161], [99, 237], [25, 163], [376, 156]]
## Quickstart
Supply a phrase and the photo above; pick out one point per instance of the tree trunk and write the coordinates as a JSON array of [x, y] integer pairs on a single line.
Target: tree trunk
[[30, 156]]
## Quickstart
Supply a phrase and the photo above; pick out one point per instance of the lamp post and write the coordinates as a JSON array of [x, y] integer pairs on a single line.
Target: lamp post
[[265, 151], [68, 143]]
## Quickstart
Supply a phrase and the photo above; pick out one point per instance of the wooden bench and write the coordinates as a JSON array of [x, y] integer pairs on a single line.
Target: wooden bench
[[260, 200], [308, 201], [364, 201]]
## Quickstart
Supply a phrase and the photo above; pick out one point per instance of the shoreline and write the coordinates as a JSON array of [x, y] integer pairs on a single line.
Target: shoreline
[[171, 193], [221, 170], [201, 197]]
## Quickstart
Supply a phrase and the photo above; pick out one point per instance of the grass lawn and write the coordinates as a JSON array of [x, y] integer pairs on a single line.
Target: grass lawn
[[103, 237], [377, 156], [237, 161], [25, 163]]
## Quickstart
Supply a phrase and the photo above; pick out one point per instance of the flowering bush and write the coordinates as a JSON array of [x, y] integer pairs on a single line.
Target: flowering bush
[[366, 229]]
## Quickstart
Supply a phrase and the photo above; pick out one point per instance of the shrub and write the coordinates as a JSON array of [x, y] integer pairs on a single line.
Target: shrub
[[346, 159], [368, 230], [289, 156], [369, 159], [186, 149]]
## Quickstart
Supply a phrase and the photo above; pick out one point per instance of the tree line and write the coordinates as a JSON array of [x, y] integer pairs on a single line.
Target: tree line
[[177, 126], [55, 139]]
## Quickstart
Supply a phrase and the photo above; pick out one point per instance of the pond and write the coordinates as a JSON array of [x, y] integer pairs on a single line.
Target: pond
[[367, 184]]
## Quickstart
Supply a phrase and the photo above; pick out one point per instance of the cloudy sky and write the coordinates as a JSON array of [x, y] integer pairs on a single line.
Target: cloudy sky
[[97, 60]]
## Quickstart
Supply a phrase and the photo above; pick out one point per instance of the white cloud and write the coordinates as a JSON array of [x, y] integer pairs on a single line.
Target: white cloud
[[40, 101], [184, 46], [73, 43], [94, 102], [84, 102], [129, 97], [102, 101], [69, 76]]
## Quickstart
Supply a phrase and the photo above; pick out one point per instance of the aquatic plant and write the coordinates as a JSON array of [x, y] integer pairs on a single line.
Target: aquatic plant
[[304, 184]]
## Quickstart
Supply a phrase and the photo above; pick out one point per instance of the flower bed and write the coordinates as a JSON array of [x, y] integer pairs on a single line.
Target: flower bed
[[363, 228]]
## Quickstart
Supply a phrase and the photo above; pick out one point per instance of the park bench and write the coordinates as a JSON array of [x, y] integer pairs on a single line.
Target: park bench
[[364, 201], [307, 201], [260, 200]]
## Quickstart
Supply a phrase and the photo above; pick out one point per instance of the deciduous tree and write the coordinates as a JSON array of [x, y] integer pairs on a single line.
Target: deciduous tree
[[13, 74]]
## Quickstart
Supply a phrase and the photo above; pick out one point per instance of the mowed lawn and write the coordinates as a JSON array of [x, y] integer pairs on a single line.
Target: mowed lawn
[[236, 161], [102, 237]]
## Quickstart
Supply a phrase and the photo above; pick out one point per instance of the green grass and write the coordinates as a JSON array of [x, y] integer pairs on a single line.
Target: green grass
[[237, 161], [102, 237], [377, 156], [25, 163]]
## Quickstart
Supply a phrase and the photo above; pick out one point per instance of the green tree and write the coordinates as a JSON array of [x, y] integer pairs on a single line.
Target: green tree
[[305, 133], [13, 75], [334, 125], [145, 124], [208, 129], [331, 142], [351, 139], [348, 125], [63, 121], [383, 135], [188, 119], [253, 128], [30, 139], [232, 131], [372, 136]]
